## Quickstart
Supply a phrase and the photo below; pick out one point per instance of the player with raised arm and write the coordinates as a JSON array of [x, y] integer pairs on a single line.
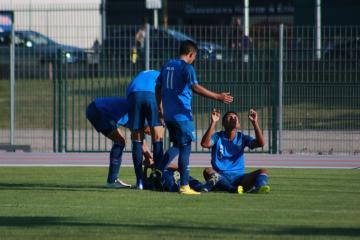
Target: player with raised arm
[[174, 87], [227, 155]]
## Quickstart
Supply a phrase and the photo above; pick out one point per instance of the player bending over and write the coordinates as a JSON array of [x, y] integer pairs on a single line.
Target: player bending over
[[227, 155], [109, 116]]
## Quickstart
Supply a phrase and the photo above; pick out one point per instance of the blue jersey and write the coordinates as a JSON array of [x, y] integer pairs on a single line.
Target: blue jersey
[[227, 155], [143, 82], [175, 80], [115, 107]]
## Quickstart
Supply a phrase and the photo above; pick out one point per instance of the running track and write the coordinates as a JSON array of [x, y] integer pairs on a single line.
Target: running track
[[37, 159]]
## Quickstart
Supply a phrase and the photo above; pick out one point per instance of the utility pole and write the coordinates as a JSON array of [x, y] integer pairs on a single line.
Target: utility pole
[[318, 29], [246, 18], [155, 5]]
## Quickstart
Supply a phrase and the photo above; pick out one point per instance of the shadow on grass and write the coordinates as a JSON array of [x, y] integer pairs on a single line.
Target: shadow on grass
[[22, 221], [25, 221], [50, 187], [318, 231]]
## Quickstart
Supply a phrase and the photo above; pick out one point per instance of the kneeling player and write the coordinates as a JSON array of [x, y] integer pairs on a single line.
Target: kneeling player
[[227, 155]]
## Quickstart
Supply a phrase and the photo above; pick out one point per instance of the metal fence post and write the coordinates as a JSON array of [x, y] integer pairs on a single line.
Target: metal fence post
[[12, 87], [65, 111], [54, 69], [60, 99], [280, 90], [275, 100], [147, 47], [318, 29]]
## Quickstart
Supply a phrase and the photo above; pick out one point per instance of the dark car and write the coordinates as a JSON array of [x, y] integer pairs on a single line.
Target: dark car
[[121, 49], [165, 42], [345, 51], [34, 51]]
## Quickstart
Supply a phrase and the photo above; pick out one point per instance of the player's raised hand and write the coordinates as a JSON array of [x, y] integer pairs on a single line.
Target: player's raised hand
[[226, 98], [215, 115], [253, 116]]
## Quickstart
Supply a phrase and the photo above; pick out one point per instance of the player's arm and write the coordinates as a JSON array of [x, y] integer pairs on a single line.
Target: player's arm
[[158, 97], [159, 103], [223, 97], [147, 154], [206, 140], [259, 138]]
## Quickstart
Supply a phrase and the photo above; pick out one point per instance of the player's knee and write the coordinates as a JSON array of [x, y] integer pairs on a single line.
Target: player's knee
[[157, 133], [207, 172], [117, 137], [263, 171], [137, 135], [120, 141]]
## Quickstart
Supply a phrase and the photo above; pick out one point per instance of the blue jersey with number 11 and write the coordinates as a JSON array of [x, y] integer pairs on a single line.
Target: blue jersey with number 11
[[176, 79]]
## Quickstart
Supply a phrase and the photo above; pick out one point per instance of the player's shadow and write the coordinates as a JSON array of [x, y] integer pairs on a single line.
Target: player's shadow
[[262, 230], [50, 187], [25, 221], [319, 231]]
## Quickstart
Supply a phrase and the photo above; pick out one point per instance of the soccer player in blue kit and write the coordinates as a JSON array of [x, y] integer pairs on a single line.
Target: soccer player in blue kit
[[143, 110], [227, 155], [174, 87], [109, 116]]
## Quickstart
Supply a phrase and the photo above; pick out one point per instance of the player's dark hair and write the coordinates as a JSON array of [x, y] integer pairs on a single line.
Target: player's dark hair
[[227, 113], [187, 47]]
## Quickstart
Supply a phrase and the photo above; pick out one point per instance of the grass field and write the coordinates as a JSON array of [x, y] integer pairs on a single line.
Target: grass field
[[71, 203]]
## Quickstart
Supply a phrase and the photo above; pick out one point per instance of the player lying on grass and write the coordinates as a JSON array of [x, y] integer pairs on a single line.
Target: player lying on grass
[[227, 155], [170, 179], [109, 116]]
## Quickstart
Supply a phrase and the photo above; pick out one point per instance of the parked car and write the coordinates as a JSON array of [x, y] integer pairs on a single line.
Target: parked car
[[346, 51], [120, 47], [166, 41], [34, 51]]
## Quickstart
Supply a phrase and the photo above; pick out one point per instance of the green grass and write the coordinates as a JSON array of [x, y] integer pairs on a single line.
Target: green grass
[[71, 203]]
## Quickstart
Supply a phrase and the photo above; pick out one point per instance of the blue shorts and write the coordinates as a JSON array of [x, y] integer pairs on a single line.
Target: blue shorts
[[232, 177], [169, 182], [181, 133], [143, 110], [101, 121]]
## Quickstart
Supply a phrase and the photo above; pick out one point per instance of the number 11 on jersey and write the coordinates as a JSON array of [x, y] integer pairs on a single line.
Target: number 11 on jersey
[[169, 77]]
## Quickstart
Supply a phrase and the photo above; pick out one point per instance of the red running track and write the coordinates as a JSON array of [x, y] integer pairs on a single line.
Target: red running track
[[196, 160]]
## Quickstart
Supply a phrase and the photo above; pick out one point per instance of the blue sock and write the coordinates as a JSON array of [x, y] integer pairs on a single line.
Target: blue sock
[[115, 162], [183, 163], [169, 156], [195, 184], [169, 182], [158, 155], [137, 160], [261, 180]]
